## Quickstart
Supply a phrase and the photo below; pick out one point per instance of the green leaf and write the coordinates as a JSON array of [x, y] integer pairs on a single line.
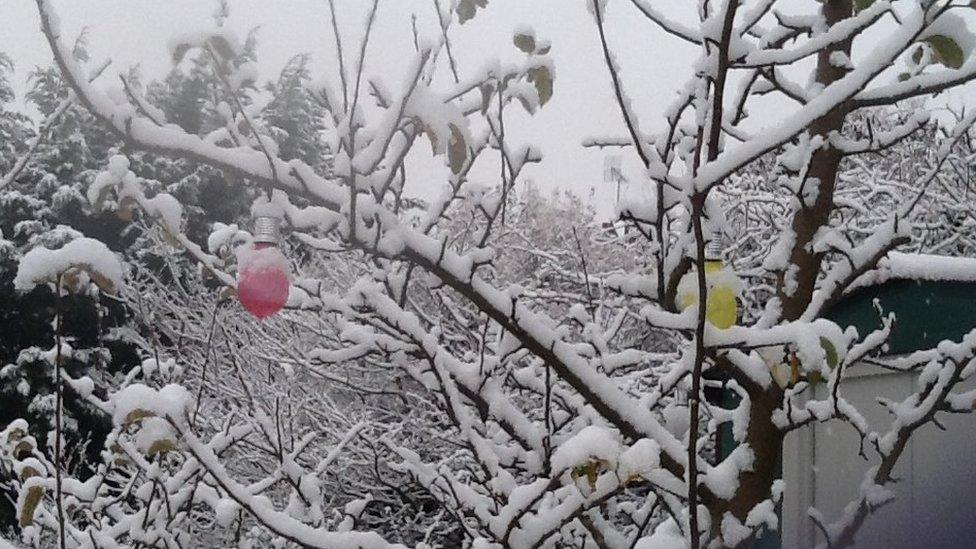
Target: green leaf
[[830, 351], [31, 498], [222, 47], [578, 472], [592, 474], [542, 78], [814, 378], [524, 42], [487, 90], [946, 50], [457, 150], [432, 136], [179, 52], [467, 9], [917, 55]]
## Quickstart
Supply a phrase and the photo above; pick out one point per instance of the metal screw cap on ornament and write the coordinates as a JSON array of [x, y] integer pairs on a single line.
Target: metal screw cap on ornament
[[262, 273]]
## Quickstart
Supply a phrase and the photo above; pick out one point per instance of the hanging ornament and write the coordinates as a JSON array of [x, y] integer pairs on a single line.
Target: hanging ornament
[[723, 289], [262, 271]]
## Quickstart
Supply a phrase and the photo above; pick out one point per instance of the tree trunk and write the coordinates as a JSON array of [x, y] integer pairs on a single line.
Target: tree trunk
[[766, 441], [795, 288], [795, 285]]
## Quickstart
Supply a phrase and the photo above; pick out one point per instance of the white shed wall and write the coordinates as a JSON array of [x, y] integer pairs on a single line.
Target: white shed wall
[[936, 498]]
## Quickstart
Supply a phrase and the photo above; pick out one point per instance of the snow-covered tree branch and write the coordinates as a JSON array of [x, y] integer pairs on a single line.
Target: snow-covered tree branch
[[495, 368]]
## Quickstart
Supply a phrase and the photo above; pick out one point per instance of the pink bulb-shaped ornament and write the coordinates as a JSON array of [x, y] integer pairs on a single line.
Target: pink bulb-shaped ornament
[[262, 273]]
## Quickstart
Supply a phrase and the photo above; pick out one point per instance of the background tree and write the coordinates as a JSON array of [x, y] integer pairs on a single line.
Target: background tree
[[42, 203]]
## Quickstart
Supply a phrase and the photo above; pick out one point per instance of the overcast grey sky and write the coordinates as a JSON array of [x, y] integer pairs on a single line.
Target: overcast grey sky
[[132, 32], [135, 32]]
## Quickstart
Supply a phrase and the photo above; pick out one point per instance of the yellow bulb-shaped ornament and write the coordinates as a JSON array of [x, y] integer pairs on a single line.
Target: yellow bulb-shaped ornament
[[722, 304], [722, 307]]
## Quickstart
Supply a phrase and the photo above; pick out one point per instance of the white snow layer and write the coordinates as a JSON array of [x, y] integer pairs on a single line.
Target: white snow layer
[[42, 265]]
